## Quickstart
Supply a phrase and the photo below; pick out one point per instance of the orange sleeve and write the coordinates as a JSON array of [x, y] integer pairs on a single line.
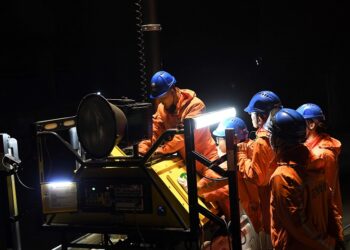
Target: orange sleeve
[[194, 109], [217, 194], [335, 226], [255, 169], [178, 141], [331, 169], [289, 207], [206, 186], [329, 162], [157, 130], [244, 164]]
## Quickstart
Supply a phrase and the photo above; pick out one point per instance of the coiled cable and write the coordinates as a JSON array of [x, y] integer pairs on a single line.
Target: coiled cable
[[140, 43]]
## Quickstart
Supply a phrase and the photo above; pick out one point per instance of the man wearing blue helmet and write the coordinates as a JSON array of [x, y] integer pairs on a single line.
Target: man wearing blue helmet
[[235, 123], [163, 90], [259, 167], [247, 191], [325, 149], [303, 215], [175, 105]]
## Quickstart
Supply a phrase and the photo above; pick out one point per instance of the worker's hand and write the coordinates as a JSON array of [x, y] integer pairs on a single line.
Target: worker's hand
[[142, 151], [202, 186], [143, 147], [242, 147], [158, 152]]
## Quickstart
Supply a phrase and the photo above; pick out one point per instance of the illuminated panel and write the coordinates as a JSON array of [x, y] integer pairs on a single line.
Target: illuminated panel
[[115, 195], [59, 197]]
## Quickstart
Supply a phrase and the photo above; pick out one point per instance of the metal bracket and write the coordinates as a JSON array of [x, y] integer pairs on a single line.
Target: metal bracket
[[151, 27]]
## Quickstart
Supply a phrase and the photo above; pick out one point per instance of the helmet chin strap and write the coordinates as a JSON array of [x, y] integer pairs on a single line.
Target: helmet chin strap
[[254, 117]]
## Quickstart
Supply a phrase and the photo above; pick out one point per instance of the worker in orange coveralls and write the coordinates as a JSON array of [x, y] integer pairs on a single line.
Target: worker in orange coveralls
[[258, 166], [175, 105], [303, 214], [247, 191], [324, 148]]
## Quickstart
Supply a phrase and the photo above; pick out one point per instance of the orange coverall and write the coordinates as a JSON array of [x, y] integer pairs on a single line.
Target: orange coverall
[[258, 169], [325, 151], [249, 195], [303, 215], [247, 192], [188, 106]]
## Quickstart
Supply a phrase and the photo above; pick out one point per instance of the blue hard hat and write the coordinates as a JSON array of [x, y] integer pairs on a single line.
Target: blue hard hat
[[263, 102], [237, 124], [161, 82], [289, 125], [311, 111]]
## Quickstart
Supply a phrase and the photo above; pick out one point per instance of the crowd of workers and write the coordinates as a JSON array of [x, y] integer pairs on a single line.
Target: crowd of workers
[[288, 179]]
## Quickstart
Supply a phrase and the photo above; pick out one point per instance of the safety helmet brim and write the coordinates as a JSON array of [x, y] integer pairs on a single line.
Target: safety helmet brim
[[263, 102], [155, 96]]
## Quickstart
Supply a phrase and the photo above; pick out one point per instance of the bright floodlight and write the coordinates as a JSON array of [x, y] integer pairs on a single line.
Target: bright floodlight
[[214, 117], [61, 184]]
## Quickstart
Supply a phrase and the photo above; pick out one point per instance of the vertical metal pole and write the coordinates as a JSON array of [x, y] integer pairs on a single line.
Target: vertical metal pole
[[12, 194], [9, 146], [151, 29], [74, 141], [191, 178], [13, 209], [231, 152], [148, 45], [64, 245], [4, 232], [105, 239], [39, 144]]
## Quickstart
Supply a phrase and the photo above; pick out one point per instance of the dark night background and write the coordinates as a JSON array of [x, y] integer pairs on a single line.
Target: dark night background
[[55, 52]]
